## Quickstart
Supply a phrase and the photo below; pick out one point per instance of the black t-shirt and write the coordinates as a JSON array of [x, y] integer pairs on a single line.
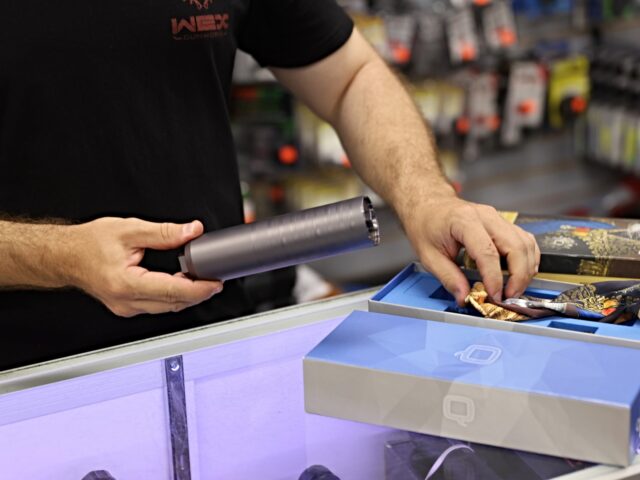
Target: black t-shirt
[[120, 108]]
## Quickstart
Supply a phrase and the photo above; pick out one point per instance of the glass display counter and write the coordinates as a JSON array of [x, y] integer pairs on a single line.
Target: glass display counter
[[218, 402]]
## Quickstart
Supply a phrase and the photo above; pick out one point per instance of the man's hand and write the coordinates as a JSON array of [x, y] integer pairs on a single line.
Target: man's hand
[[393, 151], [106, 255], [440, 227]]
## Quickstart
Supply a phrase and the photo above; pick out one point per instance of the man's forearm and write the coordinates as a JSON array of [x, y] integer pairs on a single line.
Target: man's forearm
[[383, 133], [33, 255], [387, 139], [393, 151], [380, 125]]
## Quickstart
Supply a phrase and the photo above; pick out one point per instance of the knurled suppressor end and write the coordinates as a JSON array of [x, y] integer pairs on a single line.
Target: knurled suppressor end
[[282, 241], [371, 221]]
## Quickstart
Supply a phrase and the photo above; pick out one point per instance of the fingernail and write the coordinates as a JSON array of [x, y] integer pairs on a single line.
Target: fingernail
[[188, 229], [217, 290], [497, 296]]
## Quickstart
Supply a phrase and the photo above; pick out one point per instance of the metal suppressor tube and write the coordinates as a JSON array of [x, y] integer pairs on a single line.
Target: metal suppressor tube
[[282, 241]]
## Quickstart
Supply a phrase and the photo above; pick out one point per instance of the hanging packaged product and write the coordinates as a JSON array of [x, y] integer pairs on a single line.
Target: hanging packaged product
[[610, 131], [597, 131], [401, 30], [428, 98], [624, 113], [262, 127], [524, 106], [317, 139], [609, 10], [429, 46], [534, 9], [482, 111], [606, 132], [594, 127], [632, 139], [462, 37], [442, 103], [499, 26], [630, 124], [452, 118], [568, 90], [460, 4]]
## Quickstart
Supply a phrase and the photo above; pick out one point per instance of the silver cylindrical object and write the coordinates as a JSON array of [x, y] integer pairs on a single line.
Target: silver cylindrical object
[[282, 241]]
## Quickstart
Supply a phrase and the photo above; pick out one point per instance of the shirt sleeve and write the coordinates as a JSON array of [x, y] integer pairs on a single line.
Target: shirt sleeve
[[293, 33]]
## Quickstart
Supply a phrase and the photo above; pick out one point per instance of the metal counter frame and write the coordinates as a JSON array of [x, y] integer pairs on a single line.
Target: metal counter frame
[[179, 343]]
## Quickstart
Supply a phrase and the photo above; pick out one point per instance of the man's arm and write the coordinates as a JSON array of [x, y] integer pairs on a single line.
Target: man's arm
[[102, 258], [393, 151]]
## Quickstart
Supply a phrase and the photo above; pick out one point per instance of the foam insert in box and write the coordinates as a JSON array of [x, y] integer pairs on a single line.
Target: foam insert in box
[[416, 293]]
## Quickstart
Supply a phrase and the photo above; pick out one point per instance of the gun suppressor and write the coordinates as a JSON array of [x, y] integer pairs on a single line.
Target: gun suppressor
[[282, 241]]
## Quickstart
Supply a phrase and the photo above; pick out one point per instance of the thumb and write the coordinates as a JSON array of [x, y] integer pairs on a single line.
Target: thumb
[[164, 236], [448, 273]]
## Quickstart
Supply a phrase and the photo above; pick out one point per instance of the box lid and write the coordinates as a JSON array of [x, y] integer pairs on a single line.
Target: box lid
[[493, 358]]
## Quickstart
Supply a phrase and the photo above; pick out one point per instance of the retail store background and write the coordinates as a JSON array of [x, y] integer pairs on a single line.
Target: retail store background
[[535, 105]]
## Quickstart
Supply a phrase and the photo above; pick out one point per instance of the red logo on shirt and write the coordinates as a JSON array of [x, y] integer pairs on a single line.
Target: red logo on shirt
[[199, 4], [197, 27], [200, 26]]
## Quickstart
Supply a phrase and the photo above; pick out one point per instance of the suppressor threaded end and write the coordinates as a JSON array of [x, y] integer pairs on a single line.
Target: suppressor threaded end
[[371, 221]]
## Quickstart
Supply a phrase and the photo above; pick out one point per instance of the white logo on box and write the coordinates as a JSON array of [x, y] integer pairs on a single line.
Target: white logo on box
[[460, 409], [479, 354]]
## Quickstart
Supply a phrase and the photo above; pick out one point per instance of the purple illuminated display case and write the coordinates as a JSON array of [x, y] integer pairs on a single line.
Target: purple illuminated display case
[[221, 402]]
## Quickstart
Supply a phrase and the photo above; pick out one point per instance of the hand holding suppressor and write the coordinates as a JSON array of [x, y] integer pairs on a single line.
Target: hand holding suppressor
[[282, 241]]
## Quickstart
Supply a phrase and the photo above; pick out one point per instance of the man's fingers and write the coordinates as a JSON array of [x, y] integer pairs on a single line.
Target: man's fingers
[[530, 242], [146, 306], [162, 236], [171, 289], [521, 259], [531, 252], [510, 244], [149, 306], [480, 246], [534, 250], [448, 273], [520, 273]]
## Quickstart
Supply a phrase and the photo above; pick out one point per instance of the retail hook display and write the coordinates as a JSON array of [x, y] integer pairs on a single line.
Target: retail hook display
[[282, 241]]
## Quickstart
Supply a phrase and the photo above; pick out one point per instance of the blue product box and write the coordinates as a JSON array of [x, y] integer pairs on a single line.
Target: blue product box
[[416, 293], [547, 395]]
